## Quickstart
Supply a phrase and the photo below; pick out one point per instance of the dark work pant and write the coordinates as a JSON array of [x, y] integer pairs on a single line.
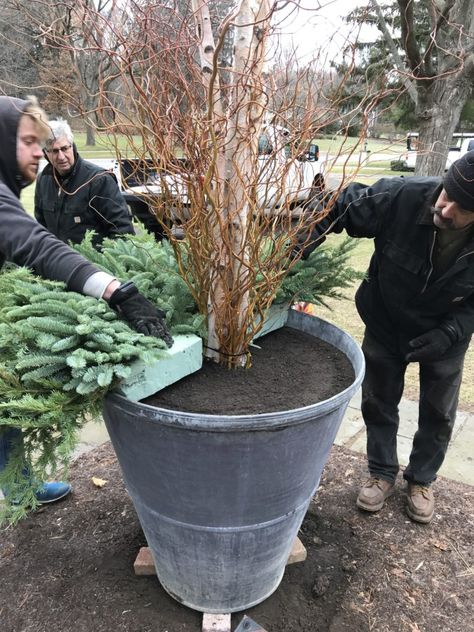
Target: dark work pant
[[11, 439], [382, 390]]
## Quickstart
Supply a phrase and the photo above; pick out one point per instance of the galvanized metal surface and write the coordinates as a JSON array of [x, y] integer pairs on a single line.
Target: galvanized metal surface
[[249, 625], [221, 498]]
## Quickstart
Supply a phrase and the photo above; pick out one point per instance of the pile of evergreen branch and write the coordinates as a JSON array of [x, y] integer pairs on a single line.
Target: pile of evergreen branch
[[60, 353], [324, 274], [152, 266]]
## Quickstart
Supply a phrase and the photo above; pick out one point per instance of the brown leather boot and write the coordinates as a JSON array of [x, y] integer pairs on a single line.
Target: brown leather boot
[[420, 503], [373, 493]]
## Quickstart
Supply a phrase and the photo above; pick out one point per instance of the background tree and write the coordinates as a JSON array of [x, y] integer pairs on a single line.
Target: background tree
[[428, 48], [71, 69], [21, 54]]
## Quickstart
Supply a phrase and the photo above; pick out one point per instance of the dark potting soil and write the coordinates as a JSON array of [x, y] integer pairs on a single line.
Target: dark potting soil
[[290, 369]]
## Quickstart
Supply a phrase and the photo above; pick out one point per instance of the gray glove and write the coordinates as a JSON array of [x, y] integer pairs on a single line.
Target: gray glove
[[432, 345], [139, 312]]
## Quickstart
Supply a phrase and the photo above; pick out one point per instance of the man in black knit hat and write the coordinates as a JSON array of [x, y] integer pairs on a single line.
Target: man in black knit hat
[[417, 303]]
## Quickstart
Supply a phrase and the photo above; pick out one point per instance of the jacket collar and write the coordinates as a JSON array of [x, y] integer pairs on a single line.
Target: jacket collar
[[425, 216]]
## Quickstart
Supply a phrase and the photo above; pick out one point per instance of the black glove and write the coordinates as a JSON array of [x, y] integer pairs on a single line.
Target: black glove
[[432, 345], [139, 312]]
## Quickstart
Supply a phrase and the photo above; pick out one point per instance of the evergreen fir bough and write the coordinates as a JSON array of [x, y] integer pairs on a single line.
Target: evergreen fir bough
[[152, 266], [324, 274], [60, 353]]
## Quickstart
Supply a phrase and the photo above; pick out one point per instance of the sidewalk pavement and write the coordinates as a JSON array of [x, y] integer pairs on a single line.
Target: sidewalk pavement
[[458, 464]]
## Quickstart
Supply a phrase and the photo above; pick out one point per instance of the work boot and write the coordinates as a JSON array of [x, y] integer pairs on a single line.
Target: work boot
[[373, 493], [51, 492], [47, 493], [420, 503]]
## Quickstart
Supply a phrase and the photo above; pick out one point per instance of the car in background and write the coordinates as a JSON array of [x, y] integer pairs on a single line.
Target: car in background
[[142, 183], [461, 143]]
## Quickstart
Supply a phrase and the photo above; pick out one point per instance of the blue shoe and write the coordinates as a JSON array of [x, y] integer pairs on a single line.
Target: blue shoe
[[51, 492]]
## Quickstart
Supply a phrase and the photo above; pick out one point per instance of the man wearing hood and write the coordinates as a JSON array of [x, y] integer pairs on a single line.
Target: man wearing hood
[[23, 129], [73, 195]]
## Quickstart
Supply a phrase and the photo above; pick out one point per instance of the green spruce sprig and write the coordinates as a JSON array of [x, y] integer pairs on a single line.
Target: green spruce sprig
[[61, 352], [324, 274], [152, 266]]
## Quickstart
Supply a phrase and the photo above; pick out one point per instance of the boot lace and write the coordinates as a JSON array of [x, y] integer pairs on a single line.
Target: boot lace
[[423, 490]]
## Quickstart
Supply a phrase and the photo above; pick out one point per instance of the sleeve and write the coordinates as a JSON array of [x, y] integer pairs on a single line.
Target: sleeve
[[25, 242], [110, 206], [359, 209], [460, 323]]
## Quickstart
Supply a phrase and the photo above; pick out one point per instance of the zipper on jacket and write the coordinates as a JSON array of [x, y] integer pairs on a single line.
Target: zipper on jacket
[[431, 262], [466, 254]]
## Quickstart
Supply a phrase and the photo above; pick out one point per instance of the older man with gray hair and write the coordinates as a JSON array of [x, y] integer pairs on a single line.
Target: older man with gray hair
[[73, 195]]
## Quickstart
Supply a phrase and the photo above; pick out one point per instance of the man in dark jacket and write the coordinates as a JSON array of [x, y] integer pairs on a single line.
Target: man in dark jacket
[[73, 195], [23, 127], [417, 302]]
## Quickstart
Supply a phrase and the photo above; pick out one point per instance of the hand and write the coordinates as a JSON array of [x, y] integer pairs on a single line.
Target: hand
[[139, 312], [429, 346]]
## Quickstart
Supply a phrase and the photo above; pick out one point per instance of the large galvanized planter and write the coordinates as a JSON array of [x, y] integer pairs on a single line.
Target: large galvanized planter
[[221, 498]]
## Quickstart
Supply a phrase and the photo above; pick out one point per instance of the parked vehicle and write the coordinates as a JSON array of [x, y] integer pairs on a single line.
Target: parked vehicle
[[141, 182], [461, 143], [303, 176]]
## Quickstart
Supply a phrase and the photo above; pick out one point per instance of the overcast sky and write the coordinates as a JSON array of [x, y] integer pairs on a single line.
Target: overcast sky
[[319, 24]]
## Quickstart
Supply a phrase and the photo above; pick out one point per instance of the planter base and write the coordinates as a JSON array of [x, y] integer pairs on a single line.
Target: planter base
[[215, 622], [145, 565]]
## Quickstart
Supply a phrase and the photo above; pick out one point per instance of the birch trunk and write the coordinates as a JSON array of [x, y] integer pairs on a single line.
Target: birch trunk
[[234, 134]]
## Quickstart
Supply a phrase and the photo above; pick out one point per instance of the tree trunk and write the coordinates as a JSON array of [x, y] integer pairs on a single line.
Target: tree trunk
[[90, 136], [440, 110], [235, 168]]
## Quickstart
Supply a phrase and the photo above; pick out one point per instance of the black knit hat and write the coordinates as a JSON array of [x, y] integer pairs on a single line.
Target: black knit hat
[[459, 181]]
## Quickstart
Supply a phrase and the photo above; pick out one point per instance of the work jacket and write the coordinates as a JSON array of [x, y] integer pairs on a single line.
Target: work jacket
[[22, 240], [87, 198], [400, 299]]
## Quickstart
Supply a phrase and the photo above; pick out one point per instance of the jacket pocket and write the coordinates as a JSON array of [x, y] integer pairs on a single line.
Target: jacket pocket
[[404, 259]]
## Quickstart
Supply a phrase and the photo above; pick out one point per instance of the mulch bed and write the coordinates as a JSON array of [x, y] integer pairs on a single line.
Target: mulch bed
[[69, 567]]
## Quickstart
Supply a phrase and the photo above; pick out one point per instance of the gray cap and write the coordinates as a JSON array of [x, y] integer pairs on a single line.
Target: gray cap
[[459, 181]]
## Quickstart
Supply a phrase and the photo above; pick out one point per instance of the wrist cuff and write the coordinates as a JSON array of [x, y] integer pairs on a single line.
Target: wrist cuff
[[450, 330], [122, 293], [97, 283]]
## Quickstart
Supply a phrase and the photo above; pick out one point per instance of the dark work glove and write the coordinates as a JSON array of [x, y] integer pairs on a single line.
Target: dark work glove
[[430, 346], [139, 312], [308, 240]]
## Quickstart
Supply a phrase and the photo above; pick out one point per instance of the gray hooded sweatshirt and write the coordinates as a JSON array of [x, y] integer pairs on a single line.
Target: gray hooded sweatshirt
[[22, 239]]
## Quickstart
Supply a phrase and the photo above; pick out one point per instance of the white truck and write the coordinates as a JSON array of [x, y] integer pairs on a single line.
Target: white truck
[[461, 143], [284, 182]]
